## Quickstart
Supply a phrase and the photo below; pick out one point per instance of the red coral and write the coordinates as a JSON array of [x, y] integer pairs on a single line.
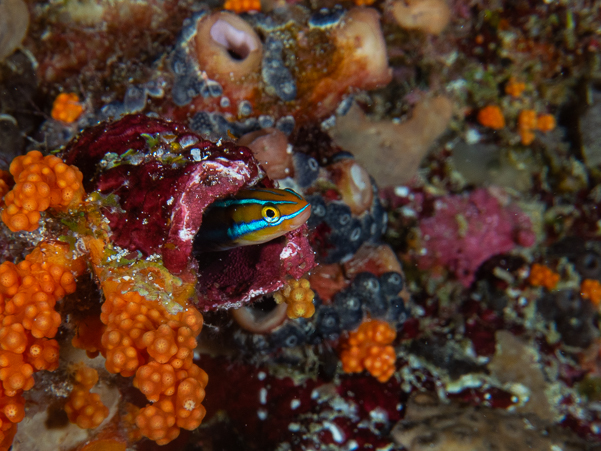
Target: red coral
[[162, 205], [465, 231]]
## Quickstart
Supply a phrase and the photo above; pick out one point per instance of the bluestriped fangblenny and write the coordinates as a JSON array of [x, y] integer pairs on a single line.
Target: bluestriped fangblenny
[[251, 217]]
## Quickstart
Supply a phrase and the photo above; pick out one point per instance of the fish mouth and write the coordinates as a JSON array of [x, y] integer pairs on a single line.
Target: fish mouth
[[300, 218]]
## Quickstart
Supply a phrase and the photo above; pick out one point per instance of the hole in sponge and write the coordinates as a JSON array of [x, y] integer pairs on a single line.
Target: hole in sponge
[[239, 44]]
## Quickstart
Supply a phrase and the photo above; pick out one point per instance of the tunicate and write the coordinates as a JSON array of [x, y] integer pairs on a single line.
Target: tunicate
[[14, 20]]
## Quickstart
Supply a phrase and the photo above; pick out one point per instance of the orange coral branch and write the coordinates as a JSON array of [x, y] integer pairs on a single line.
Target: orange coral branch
[[85, 409], [41, 183], [299, 297], [543, 276], [142, 338], [368, 348], [29, 292]]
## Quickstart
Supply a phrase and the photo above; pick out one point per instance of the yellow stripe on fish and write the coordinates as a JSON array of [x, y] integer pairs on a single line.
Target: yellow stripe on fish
[[252, 216]]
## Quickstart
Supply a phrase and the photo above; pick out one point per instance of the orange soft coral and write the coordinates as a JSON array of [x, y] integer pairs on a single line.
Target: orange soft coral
[[83, 407], [128, 317], [41, 183], [368, 348], [527, 120], [15, 374], [543, 276], [188, 408], [242, 6], [157, 421], [43, 354], [299, 297], [526, 125], [545, 123], [142, 337], [66, 107], [161, 343], [6, 182], [491, 116], [12, 411], [28, 293], [155, 379], [591, 289], [13, 338], [514, 87], [86, 377]]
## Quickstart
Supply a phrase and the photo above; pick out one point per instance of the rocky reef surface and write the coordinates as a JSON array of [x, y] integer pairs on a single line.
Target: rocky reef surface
[[443, 294]]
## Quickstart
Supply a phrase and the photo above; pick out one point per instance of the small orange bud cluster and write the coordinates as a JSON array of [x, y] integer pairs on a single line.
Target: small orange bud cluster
[[591, 289], [543, 276], [28, 294], [142, 338], [41, 183], [6, 182], [491, 116], [514, 88], [528, 122], [369, 348], [66, 108], [299, 297], [242, 6], [84, 408]]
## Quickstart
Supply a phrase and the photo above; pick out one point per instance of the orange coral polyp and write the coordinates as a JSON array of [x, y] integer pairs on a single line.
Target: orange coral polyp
[[86, 377], [13, 338], [242, 6], [9, 279], [515, 88], [188, 407], [123, 360], [299, 297], [41, 183], [13, 408], [368, 348], [85, 408], [157, 421], [155, 379], [15, 374], [527, 119], [6, 182], [491, 116], [43, 354], [591, 289], [161, 343], [543, 276], [545, 123], [66, 107]]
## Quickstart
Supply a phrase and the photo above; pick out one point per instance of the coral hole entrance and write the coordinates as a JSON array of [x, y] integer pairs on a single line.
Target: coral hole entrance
[[238, 43], [262, 316], [235, 276]]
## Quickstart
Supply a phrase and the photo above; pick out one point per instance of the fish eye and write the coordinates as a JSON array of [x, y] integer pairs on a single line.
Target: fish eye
[[270, 213]]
